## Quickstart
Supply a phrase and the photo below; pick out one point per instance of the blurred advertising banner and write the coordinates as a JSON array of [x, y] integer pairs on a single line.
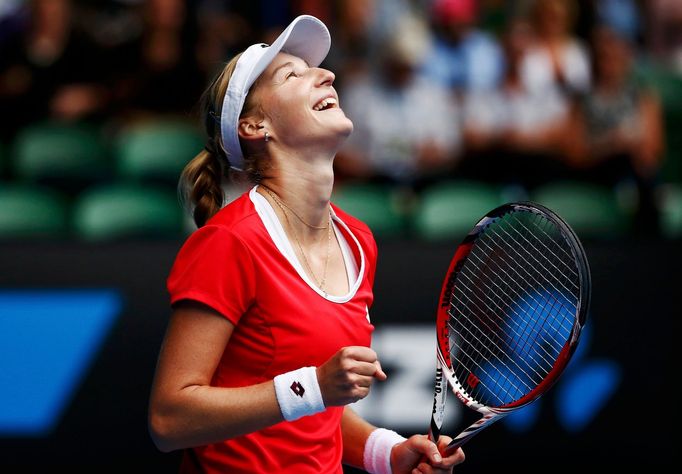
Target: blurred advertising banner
[[81, 326]]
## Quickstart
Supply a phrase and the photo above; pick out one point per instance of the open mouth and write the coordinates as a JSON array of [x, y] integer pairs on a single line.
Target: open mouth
[[325, 104]]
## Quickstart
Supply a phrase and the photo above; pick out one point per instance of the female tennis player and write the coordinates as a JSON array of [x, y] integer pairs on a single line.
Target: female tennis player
[[269, 339]]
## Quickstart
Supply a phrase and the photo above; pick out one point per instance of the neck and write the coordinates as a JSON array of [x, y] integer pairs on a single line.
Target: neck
[[307, 190]]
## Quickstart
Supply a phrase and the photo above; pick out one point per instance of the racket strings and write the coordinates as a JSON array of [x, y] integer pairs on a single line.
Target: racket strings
[[530, 278], [499, 354], [482, 369], [542, 226], [501, 323], [525, 350], [505, 322], [558, 254], [547, 271], [499, 291], [542, 305]]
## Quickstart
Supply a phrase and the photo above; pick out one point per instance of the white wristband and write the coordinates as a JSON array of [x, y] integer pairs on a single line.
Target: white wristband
[[377, 456], [298, 393]]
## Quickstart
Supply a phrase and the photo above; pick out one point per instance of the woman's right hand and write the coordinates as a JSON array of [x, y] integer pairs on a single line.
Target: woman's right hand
[[347, 375]]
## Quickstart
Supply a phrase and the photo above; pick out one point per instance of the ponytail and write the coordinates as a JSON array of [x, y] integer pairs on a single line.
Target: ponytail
[[201, 186]]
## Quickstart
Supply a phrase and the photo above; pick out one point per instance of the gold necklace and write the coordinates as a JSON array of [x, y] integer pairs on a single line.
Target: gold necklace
[[281, 203], [320, 283]]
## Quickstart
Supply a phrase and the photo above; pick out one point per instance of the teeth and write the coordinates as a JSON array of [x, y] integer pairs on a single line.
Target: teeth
[[324, 103]]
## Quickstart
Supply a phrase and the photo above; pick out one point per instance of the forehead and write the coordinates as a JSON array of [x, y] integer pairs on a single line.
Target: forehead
[[271, 75], [280, 60]]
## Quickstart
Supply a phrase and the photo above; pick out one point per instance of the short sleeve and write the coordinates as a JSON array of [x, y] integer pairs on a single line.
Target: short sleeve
[[372, 254], [214, 267]]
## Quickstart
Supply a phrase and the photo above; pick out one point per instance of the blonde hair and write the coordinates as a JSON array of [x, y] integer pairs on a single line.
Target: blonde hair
[[200, 184]]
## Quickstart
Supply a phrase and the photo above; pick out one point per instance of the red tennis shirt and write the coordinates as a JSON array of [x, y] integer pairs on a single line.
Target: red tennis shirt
[[240, 263]]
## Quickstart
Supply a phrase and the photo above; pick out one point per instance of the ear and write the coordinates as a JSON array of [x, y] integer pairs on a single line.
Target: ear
[[250, 128]]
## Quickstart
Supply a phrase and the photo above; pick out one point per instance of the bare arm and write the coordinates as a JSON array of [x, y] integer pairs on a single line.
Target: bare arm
[[355, 433], [417, 452], [184, 409]]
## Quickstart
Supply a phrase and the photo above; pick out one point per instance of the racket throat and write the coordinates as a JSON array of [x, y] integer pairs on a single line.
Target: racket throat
[[473, 430]]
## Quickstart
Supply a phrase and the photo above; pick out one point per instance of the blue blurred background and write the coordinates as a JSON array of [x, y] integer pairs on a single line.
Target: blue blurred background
[[458, 106]]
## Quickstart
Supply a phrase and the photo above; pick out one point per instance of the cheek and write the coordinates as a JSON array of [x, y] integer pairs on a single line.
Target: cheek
[[286, 111]]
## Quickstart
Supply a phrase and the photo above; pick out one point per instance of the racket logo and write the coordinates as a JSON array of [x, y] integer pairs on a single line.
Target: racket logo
[[472, 380], [462, 398], [439, 380], [297, 388], [438, 388]]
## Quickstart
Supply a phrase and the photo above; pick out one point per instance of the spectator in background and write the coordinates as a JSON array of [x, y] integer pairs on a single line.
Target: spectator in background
[[158, 72], [407, 126], [223, 29], [558, 56], [616, 132], [512, 134], [664, 31], [353, 39], [621, 15], [358, 30], [462, 56], [49, 69]]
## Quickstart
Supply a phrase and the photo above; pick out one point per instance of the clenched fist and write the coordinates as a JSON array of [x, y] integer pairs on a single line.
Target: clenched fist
[[347, 375]]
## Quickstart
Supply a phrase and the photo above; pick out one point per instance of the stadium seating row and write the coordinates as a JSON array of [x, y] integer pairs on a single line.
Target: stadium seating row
[[445, 211], [66, 181]]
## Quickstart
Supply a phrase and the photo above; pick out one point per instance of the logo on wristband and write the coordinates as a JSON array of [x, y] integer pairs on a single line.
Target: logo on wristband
[[297, 388]]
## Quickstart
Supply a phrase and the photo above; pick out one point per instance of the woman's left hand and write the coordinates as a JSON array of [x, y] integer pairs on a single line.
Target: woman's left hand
[[419, 455]]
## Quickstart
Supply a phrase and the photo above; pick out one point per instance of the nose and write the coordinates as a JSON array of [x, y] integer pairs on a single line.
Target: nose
[[325, 77]]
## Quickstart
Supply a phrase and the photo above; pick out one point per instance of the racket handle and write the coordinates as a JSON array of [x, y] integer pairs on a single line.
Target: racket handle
[[434, 434], [472, 430], [454, 444]]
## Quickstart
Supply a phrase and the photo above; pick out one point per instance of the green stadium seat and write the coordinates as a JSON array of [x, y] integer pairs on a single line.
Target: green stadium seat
[[126, 211], [378, 206], [66, 156], [671, 211], [32, 212], [450, 209], [592, 210], [157, 151]]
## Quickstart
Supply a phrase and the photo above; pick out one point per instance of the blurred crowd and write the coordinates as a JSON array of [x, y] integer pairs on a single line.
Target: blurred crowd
[[510, 92]]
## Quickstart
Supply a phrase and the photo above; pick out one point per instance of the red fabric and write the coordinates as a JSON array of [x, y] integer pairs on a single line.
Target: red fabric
[[446, 11], [281, 324]]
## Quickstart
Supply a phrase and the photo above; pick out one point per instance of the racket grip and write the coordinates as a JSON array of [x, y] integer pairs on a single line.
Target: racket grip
[[454, 444], [432, 437]]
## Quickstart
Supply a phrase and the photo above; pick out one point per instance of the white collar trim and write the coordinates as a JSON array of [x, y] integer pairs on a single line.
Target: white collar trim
[[281, 241]]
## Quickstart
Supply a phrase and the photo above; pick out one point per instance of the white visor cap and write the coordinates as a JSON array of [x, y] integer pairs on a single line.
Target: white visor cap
[[306, 37]]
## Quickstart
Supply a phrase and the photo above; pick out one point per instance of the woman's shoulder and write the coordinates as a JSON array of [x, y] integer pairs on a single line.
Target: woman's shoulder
[[353, 222], [233, 212], [236, 220]]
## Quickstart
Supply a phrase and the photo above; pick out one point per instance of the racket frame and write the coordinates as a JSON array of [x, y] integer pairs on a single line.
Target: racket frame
[[445, 376]]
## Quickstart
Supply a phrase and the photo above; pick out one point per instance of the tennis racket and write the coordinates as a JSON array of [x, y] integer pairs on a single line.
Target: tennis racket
[[511, 308]]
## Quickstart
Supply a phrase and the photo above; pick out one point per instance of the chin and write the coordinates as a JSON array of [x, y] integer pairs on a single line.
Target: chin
[[349, 127]]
